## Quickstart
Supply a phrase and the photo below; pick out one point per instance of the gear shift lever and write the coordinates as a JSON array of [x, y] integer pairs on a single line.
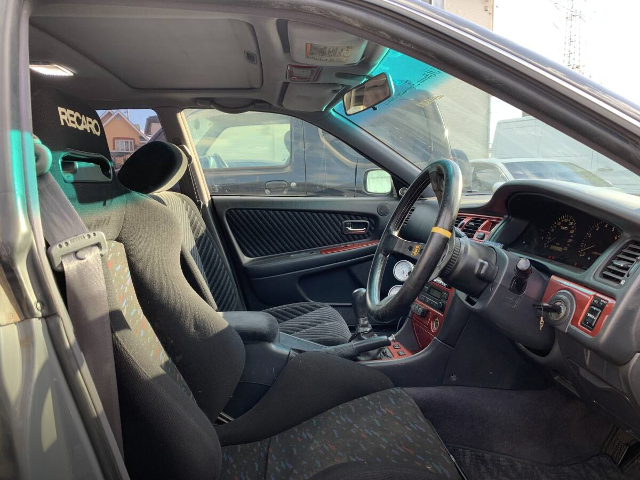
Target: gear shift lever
[[359, 304]]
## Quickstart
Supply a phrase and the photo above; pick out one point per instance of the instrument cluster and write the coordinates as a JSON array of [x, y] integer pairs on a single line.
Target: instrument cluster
[[566, 235]]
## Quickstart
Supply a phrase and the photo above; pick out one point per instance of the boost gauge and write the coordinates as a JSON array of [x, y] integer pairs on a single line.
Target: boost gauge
[[393, 290], [402, 270]]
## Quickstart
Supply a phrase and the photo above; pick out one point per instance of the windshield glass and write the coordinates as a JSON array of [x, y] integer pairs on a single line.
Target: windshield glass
[[433, 115]]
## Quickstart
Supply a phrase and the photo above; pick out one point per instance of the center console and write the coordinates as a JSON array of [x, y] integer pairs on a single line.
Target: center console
[[429, 310]]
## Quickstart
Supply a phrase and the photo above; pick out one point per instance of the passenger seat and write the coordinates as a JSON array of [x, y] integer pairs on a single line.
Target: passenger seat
[[156, 167]]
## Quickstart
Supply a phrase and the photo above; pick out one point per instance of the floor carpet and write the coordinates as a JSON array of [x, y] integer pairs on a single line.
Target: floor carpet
[[478, 465]]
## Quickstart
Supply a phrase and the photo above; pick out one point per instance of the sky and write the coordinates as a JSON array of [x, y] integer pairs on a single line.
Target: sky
[[607, 41], [609, 36]]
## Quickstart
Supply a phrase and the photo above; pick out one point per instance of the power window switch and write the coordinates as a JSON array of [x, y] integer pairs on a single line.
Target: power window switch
[[591, 317]]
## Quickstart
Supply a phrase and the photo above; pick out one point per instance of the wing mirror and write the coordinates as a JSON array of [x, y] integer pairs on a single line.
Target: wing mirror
[[368, 94], [378, 182]]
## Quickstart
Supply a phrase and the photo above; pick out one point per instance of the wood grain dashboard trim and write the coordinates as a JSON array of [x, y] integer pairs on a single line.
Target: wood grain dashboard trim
[[485, 228], [584, 296]]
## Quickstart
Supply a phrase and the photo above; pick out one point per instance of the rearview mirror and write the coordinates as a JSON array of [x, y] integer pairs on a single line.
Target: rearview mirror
[[368, 94], [377, 181]]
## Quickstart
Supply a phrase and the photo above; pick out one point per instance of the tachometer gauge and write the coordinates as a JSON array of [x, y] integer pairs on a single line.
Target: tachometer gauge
[[599, 237], [560, 235], [393, 290], [402, 270]]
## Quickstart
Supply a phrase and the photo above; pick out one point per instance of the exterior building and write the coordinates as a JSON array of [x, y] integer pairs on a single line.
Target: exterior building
[[151, 126], [461, 101], [479, 12], [124, 137]]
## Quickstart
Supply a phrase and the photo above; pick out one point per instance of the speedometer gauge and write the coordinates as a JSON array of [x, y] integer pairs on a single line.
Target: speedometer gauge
[[599, 237], [402, 270], [560, 235]]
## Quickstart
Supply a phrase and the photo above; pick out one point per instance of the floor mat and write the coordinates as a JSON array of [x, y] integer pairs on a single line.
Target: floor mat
[[478, 465], [543, 426]]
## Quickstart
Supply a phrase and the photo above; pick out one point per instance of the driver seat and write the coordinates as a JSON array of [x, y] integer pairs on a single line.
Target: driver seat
[[153, 169], [178, 362]]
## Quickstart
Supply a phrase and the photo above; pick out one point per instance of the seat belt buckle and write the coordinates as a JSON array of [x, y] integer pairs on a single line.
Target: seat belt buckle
[[73, 245]]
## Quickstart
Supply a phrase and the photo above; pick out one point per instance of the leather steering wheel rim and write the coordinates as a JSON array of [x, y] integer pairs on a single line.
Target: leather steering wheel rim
[[446, 179]]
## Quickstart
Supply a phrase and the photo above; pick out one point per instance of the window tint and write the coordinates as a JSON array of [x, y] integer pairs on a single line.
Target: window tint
[[519, 140], [249, 146], [257, 153], [564, 171], [555, 144], [479, 129]]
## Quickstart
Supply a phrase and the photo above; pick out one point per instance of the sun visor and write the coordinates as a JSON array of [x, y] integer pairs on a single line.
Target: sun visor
[[310, 97], [313, 45]]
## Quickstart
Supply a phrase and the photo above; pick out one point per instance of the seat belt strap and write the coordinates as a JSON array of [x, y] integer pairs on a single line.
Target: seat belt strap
[[76, 251]]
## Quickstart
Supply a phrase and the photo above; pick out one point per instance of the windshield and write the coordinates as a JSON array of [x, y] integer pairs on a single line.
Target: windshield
[[433, 115]]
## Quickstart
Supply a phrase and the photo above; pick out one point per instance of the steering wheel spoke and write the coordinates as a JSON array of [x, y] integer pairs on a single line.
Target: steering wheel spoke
[[395, 244], [428, 257]]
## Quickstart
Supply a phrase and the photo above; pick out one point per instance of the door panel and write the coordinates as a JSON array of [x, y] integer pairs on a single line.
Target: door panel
[[296, 249], [263, 232]]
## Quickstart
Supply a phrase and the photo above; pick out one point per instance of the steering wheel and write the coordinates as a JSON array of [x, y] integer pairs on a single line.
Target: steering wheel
[[446, 180]]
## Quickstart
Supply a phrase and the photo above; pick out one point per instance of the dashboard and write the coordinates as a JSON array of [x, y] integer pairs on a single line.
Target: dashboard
[[561, 233], [573, 235]]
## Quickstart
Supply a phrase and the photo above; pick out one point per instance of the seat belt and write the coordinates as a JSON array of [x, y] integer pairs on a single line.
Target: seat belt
[[76, 252]]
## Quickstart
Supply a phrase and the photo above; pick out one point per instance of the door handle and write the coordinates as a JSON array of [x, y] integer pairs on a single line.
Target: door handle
[[276, 185], [355, 227]]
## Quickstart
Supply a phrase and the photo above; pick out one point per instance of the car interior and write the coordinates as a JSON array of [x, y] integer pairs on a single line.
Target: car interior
[[311, 326]]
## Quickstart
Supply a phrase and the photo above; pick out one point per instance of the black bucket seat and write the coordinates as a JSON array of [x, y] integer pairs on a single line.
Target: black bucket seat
[[153, 169], [177, 361]]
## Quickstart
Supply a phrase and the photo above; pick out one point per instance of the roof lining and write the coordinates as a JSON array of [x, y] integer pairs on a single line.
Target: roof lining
[[123, 95]]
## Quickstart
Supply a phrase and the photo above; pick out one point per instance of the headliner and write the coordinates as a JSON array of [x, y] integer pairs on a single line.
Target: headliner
[[134, 57]]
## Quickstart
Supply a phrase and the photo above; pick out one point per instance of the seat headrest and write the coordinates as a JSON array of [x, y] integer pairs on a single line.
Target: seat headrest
[[63, 122], [153, 168]]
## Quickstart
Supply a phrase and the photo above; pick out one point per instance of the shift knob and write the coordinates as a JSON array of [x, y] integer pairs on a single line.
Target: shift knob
[[359, 302], [523, 268], [522, 272]]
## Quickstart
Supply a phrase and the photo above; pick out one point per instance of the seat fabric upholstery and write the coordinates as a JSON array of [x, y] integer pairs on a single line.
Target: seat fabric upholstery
[[210, 274], [201, 247], [178, 361], [383, 427], [313, 321]]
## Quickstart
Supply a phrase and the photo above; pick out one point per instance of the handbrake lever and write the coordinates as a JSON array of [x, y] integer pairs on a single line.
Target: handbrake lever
[[354, 349]]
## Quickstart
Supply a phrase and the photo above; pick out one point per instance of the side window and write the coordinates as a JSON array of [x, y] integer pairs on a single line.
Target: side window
[[127, 130], [252, 153], [250, 146], [265, 154], [336, 169]]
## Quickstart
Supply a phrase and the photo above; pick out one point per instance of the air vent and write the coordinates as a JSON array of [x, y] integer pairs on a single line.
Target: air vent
[[472, 226], [459, 220], [406, 219], [493, 224], [620, 267]]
